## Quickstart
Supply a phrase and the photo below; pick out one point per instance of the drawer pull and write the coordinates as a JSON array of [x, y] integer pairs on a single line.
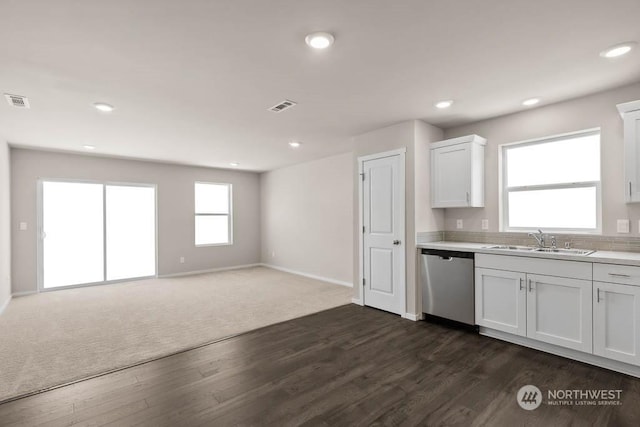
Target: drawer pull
[[619, 275]]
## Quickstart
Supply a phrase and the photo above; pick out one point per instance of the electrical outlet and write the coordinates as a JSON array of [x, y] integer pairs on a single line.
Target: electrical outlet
[[485, 224], [22, 226], [273, 254], [181, 260], [459, 224], [623, 226]]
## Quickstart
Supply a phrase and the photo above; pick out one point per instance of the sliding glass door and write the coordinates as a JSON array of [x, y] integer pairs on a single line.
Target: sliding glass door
[[130, 231], [94, 233]]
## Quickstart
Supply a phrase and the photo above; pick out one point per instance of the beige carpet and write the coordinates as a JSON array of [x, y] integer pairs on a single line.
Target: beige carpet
[[56, 337]]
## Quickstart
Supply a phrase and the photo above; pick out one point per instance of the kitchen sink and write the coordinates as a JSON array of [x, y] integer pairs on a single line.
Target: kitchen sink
[[565, 251], [545, 250], [510, 247]]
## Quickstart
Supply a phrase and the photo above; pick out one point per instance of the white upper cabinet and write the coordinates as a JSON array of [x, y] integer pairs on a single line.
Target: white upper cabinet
[[457, 172], [630, 112]]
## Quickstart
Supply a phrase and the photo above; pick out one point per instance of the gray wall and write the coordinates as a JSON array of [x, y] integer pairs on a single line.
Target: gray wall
[[307, 218], [175, 209], [598, 110], [5, 225]]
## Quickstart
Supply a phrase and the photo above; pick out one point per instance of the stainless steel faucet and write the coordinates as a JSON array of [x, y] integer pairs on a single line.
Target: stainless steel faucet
[[539, 236]]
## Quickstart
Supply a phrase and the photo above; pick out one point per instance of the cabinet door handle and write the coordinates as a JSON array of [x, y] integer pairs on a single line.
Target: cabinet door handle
[[467, 197], [521, 283], [530, 286], [618, 275], [598, 295], [630, 193]]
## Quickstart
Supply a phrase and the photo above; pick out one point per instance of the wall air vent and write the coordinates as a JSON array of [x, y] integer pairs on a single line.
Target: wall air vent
[[17, 100], [284, 105]]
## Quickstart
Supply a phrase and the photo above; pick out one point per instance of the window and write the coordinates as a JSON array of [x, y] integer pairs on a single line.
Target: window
[[213, 214], [552, 184]]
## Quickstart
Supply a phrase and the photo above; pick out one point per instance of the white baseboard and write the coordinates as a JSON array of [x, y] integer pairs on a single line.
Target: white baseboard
[[580, 356], [357, 301], [210, 270], [411, 316], [23, 294], [311, 276], [5, 305]]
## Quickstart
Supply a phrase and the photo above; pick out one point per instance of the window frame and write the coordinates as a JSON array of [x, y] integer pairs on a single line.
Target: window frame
[[228, 215], [505, 190]]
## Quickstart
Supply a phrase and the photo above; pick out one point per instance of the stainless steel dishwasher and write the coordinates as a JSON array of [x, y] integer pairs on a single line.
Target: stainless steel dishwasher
[[446, 278]]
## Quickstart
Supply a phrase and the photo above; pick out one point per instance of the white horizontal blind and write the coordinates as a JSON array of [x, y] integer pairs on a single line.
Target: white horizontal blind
[[553, 183]]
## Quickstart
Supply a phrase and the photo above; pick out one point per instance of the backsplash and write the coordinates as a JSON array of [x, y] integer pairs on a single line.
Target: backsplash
[[580, 241], [429, 236]]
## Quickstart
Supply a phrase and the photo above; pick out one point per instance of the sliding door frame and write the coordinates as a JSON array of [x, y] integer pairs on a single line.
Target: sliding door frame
[[40, 231]]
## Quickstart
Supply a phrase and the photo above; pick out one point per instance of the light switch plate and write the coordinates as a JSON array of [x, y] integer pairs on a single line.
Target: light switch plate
[[623, 226], [22, 226], [485, 224], [459, 224]]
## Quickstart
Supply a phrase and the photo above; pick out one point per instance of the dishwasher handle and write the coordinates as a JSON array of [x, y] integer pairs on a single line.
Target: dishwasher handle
[[446, 255]]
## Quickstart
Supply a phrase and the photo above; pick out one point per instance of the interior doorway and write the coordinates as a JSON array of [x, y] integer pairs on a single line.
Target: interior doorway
[[382, 208]]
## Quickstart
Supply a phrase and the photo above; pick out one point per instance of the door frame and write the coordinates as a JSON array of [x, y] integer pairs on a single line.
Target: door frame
[[40, 222], [401, 152]]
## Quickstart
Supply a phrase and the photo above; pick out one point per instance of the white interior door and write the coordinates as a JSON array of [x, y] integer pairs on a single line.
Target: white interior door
[[383, 233]]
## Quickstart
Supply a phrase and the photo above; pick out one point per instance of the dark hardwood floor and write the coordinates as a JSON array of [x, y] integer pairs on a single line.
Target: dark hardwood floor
[[346, 366]]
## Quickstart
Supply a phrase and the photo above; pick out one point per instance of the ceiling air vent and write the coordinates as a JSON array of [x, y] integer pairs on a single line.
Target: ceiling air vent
[[17, 100], [282, 106]]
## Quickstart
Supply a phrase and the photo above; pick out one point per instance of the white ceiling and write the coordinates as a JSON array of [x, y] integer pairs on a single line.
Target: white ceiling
[[191, 80]]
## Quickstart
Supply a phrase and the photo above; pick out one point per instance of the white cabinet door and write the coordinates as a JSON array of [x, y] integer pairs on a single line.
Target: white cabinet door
[[451, 176], [632, 155], [616, 322], [559, 311], [501, 300]]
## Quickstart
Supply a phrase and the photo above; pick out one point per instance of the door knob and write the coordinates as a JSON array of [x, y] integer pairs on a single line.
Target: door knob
[[396, 242]]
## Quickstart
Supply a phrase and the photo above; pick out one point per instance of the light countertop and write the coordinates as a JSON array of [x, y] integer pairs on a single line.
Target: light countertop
[[607, 257]]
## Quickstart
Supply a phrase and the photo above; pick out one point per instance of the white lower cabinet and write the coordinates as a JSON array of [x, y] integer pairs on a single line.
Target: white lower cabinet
[[593, 309], [551, 309], [501, 300], [548, 308], [559, 311], [616, 321]]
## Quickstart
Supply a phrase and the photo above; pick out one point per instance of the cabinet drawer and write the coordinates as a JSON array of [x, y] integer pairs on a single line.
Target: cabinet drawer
[[547, 267], [612, 273]]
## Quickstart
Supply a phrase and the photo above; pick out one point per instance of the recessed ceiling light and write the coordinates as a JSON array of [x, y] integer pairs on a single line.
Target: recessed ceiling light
[[618, 50], [320, 40], [444, 104], [234, 164], [531, 101], [89, 147], [105, 108], [295, 144]]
